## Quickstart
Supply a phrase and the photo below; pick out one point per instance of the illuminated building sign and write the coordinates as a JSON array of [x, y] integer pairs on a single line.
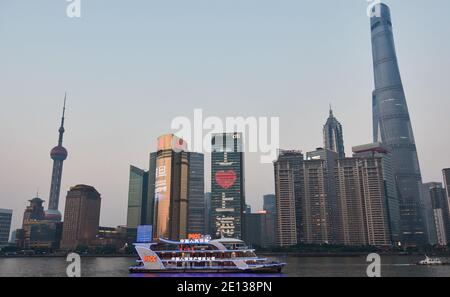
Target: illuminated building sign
[[227, 185], [225, 179], [162, 195], [144, 233], [193, 258], [160, 180], [196, 238]]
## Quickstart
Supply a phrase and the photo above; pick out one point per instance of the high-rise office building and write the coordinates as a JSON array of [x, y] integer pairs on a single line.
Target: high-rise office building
[[316, 222], [58, 155], [270, 203], [440, 213], [288, 192], [378, 150], [12, 239], [227, 185], [330, 158], [392, 126], [428, 212], [171, 188], [81, 216], [446, 174], [151, 188], [256, 227], [140, 209], [333, 137], [253, 229], [270, 208], [5, 225], [196, 194], [362, 198]]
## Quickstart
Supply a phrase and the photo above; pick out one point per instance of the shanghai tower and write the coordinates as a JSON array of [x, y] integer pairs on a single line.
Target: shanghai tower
[[58, 155], [392, 126]]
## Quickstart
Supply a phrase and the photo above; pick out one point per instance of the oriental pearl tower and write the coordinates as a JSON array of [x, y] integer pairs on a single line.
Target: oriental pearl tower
[[58, 155]]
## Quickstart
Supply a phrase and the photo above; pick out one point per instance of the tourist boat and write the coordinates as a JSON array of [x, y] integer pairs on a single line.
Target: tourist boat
[[430, 261], [200, 254]]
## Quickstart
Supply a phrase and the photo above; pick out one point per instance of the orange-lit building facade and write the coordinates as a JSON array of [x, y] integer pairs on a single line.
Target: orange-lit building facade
[[171, 188]]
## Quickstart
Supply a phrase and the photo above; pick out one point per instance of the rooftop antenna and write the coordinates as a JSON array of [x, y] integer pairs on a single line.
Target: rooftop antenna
[[61, 129]]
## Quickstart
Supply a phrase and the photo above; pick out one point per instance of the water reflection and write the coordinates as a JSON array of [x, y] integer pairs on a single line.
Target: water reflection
[[391, 266]]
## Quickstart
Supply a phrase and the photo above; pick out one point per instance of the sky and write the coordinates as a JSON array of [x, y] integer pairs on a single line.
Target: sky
[[131, 67]]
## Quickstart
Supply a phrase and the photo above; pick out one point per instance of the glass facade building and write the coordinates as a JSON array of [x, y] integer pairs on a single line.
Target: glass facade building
[[270, 203], [141, 192], [208, 214], [270, 207], [446, 174], [227, 185], [5, 225], [257, 229], [429, 223], [138, 212], [392, 127], [196, 193]]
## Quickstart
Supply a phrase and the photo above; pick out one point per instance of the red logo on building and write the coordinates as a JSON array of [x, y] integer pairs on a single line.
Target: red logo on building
[[226, 179]]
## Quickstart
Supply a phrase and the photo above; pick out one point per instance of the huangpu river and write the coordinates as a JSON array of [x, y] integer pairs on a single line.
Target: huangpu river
[[391, 266]]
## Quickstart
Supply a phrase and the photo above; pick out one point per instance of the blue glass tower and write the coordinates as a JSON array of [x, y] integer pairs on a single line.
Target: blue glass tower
[[392, 126]]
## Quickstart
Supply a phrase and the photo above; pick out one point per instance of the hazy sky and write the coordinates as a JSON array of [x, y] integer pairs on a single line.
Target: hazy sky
[[130, 67]]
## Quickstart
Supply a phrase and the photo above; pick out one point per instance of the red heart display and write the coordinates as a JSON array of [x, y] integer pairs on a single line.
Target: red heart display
[[226, 179]]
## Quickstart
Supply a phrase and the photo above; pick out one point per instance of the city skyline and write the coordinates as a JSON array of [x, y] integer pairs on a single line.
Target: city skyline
[[92, 133]]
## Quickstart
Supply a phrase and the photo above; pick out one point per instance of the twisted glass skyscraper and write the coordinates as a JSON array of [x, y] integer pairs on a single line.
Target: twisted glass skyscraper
[[392, 125]]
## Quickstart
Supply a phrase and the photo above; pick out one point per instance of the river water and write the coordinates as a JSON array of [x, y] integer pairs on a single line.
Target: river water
[[391, 266]]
